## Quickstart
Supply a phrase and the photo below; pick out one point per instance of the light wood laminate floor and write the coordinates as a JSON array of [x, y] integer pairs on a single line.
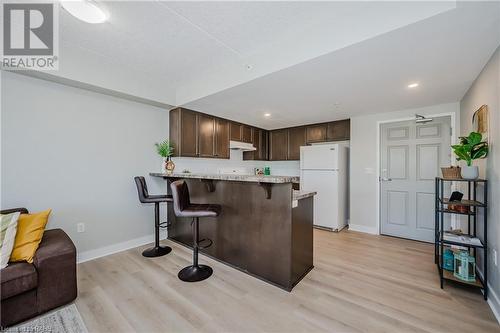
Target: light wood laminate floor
[[360, 283]]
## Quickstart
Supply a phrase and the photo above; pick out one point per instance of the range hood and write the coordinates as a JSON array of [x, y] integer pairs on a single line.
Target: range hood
[[238, 145]]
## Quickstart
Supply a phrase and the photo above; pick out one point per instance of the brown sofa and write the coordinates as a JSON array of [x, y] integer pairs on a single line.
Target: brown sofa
[[32, 289]]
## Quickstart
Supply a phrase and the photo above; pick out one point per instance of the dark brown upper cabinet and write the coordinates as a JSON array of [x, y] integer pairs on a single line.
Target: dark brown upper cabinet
[[221, 138], [236, 131], [196, 134], [278, 145], [184, 132], [339, 130], [206, 135], [246, 134], [260, 143], [316, 133], [296, 139]]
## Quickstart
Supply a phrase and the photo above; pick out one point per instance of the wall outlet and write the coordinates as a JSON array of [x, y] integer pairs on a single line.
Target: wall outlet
[[495, 259], [80, 227]]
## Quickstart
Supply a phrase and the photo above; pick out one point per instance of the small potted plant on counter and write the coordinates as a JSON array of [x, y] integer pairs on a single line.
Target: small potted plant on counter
[[165, 150], [470, 148]]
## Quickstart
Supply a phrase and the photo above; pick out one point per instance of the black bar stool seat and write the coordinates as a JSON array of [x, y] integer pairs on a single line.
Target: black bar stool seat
[[184, 208], [145, 197]]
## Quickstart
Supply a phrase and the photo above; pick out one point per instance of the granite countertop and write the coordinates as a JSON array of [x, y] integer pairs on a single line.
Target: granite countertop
[[297, 195], [233, 177]]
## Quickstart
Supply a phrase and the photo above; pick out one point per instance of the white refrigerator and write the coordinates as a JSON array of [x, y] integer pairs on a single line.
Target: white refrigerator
[[324, 169]]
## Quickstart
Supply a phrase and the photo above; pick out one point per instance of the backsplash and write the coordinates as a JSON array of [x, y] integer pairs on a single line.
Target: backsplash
[[213, 165]]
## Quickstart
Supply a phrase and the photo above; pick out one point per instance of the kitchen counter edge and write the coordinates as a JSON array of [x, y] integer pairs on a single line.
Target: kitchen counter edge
[[231, 177]]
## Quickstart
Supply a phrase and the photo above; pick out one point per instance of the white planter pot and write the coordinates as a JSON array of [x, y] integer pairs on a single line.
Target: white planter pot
[[470, 172]]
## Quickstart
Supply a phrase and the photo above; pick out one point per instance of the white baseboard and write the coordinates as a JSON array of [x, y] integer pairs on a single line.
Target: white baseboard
[[493, 300], [494, 303], [363, 228], [118, 247]]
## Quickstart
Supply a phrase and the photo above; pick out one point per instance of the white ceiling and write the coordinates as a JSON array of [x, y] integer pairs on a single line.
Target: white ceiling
[[444, 54], [305, 56]]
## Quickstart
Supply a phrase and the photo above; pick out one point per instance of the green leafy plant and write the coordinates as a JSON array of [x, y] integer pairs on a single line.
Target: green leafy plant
[[164, 149], [471, 148]]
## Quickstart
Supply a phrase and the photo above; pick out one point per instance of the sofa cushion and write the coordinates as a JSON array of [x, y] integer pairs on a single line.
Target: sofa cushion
[[30, 228], [17, 278]]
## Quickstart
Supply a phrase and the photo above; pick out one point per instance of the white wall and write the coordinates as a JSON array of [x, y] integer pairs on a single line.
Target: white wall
[[364, 162], [76, 151], [486, 90]]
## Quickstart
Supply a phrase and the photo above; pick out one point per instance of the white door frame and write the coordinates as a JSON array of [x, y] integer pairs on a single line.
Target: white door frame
[[452, 160]]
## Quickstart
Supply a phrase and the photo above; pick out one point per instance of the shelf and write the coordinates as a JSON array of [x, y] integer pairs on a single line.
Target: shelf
[[444, 241], [463, 180], [449, 211], [472, 203], [447, 275]]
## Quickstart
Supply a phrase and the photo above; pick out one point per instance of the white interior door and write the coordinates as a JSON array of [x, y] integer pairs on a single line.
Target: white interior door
[[411, 155]]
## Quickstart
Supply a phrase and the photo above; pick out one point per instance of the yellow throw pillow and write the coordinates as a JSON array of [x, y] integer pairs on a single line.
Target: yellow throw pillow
[[30, 228]]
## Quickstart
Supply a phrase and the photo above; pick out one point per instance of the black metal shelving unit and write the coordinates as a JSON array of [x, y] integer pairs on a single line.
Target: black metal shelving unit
[[441, 208]]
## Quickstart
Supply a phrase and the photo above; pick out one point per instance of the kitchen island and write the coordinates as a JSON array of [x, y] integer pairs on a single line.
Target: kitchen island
[[265, 228]]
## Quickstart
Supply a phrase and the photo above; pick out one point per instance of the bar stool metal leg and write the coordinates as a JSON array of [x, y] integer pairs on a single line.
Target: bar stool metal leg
[[195, 272], [157, 250]]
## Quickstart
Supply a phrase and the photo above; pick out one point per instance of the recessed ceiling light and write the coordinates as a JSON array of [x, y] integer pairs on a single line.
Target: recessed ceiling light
[[413, 85], [267, 115], [85, 10]]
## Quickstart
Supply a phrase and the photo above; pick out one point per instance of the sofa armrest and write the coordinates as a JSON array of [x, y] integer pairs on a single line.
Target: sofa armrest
[[55, 262]]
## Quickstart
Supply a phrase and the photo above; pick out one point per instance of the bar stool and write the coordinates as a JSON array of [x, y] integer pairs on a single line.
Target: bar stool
[[145, 197], [184, 208]]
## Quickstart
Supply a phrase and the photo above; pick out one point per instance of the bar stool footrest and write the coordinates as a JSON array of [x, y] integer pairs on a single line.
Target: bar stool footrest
[[205, 246]]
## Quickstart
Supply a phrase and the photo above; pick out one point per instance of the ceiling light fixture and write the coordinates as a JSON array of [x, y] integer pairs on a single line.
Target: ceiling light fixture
[[267, 115], [85, 10], [413, 85]]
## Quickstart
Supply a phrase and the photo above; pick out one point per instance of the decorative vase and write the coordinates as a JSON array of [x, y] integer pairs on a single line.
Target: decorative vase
[[470, 172], [169, 165]]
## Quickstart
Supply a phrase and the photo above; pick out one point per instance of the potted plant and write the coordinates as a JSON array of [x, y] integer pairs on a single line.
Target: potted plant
[[470, 148], [165, 150]]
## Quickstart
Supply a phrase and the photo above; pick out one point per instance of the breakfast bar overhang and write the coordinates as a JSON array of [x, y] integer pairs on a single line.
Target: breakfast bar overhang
[[265, 228]]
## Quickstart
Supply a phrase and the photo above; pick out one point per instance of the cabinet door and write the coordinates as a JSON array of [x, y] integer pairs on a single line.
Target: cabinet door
[[261, 150], [189, 134], [339, 130], [278, 143], [246, 134], [264, 146], [236, 131], [296, 138], [206, 136], [316, 133], [221, 138]]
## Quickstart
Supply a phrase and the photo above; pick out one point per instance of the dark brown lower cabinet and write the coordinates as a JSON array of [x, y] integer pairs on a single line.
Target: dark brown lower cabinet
[[278, 145], [296, 139]]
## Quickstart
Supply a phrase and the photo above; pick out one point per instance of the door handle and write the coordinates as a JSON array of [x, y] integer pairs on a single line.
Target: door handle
[[384, 179]]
